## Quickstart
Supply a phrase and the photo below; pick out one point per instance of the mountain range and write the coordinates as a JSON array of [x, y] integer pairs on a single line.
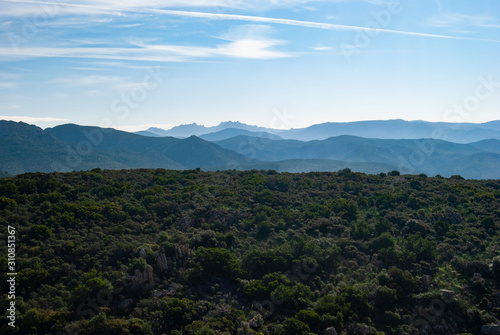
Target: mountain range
[[28, 148], [425, 155], [389, 129], [187, 130]]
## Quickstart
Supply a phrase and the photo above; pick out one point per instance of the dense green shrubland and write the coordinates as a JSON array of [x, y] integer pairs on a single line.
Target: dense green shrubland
[[247, 252]]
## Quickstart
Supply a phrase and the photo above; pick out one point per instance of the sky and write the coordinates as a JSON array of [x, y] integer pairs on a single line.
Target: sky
[[284, 64]]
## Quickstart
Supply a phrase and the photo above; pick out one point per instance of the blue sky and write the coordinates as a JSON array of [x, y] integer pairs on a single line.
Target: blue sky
[[274, 63]]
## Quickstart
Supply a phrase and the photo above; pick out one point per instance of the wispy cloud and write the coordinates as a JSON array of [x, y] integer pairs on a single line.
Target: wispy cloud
[[76, 22], [86, 80], [14, 8], [106, 65], [88, 41], [121, 54], [8, 85], [85, 69], [453, 20], [305, 24], [252, 48], [257, 49], [132, 25], [248, 47], [98, 6], [30, 119], [322, 48], [7, 75], [6, 25], [116, 7]]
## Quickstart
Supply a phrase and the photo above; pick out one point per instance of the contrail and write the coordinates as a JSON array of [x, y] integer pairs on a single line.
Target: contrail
[[248, 18]]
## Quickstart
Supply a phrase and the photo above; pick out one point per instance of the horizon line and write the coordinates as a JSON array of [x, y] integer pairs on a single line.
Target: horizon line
[[166, 127]]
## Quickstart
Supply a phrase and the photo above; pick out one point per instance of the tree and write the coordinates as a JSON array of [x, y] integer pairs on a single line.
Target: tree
[[218, 262]]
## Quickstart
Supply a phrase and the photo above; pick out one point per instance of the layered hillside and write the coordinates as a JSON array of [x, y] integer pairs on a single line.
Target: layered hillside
[[26, 148]]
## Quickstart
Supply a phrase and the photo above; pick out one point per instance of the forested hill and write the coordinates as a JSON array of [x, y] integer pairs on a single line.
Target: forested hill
[[251, 252]]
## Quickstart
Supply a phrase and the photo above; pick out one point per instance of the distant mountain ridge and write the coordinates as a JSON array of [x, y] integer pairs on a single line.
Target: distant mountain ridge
[[232, 132], [72, 147], [387, 129], [424, 155], [172, 152], [193, 129], [27, 148]]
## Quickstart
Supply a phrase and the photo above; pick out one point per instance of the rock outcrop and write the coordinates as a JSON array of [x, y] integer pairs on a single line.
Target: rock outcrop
[[161, 261], [182, 253], [142, 278], [330, 331]]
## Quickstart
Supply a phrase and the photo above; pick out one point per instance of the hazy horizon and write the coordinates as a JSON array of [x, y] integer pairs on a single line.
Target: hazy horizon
[[167, 127]]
